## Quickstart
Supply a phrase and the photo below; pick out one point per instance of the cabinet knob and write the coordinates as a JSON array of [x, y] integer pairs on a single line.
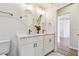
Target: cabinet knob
[[35, 45], [78, 34], [50, 40]]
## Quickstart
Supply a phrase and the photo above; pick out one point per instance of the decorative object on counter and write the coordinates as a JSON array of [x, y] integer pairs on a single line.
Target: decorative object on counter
[[38, 28], [39, 19], [30, 31]]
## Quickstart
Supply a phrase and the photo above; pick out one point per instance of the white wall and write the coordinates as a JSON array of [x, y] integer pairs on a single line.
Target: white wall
[[50, 19], [10, 25]]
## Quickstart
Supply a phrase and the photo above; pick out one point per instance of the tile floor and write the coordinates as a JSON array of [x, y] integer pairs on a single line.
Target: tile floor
[[55, 54], [68, 52]]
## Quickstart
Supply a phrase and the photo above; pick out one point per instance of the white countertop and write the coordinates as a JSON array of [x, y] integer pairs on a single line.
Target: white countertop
[[32, 35]]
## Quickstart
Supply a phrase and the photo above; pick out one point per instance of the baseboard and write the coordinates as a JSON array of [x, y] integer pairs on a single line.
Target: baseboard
[[74, 48], [49, 52]]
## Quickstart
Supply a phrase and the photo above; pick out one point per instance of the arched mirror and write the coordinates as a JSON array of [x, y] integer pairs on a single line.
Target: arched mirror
[[27, 18]]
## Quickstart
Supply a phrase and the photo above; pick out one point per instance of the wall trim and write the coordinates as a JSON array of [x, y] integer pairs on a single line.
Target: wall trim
[[73, 48], [65, 6]]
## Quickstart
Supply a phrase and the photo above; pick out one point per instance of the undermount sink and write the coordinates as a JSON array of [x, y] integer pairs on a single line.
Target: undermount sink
[[4, 46]]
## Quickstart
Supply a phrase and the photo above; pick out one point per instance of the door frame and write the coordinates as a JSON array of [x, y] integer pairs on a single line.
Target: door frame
[[56, 25]]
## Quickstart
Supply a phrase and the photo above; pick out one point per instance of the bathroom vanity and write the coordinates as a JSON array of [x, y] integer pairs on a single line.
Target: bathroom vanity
[[35, 45]]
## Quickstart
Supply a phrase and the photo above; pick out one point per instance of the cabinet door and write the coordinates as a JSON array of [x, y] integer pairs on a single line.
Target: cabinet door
[[48, 44], [51, 42], [39, 48], [27, 50]]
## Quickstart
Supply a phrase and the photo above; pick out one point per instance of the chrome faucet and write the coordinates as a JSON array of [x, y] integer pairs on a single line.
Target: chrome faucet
[[30, 31], [43, 31]]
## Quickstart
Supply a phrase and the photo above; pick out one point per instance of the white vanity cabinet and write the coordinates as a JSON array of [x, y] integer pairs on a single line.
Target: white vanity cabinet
[[31, 46], [25, 45], [37, 45], [48, 44]]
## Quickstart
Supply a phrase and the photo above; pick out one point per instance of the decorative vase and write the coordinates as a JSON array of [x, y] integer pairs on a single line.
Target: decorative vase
[[38, 29]]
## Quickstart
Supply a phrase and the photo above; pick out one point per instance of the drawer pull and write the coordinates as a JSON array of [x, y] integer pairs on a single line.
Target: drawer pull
[[78, 34], [50, 40], [35, 45]]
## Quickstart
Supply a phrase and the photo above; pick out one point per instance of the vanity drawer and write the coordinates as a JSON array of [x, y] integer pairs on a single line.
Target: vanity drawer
[[38, 38], [26, 40]]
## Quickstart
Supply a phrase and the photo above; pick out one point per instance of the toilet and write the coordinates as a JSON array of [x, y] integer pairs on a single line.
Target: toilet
[[4, 47]]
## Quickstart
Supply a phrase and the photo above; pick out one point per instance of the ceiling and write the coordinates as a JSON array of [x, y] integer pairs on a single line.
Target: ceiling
[[49, 5], [44, 5]]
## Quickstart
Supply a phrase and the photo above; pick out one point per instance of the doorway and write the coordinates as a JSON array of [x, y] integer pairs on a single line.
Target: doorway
[[67, 29], [64, 31]]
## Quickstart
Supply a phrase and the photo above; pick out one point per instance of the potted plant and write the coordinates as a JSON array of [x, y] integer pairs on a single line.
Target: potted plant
[[38, 27]]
